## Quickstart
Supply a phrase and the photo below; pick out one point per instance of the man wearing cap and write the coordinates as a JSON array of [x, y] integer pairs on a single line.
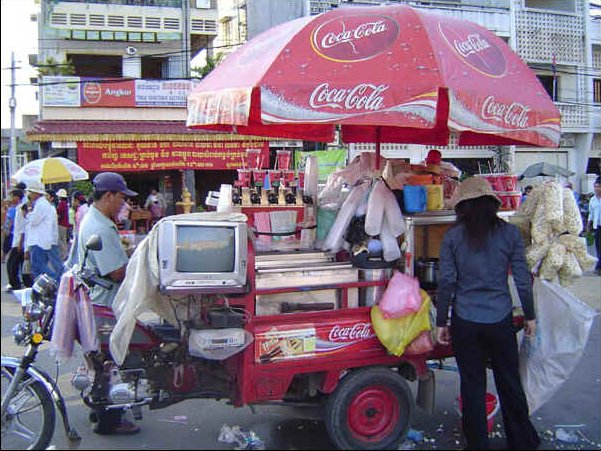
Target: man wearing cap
[[110, 262], [62, 210], [109, 194], [41, 234]]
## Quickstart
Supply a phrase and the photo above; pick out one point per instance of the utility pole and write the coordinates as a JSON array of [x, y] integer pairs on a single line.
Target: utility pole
[[188, 178], [12, 105]]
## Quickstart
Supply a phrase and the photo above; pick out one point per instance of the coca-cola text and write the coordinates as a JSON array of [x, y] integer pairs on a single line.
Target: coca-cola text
[[473, 44], [363, 30], [364, 96], [514, 114], [358, 331]]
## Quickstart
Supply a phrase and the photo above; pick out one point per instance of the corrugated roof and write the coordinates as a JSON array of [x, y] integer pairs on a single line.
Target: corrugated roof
[[72, 130]]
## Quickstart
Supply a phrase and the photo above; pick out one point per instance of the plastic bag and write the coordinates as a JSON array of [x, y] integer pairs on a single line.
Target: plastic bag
[[393, 214], [421, 345], [396, 333], [563, 326], [375, 208], [390, 244], [401, 297], [73, 320], [334, 240]]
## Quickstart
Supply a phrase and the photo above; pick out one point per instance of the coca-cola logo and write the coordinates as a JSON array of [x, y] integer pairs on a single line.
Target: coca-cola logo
[[514, 114], [362, 97], [92, 92], [354, 332], [473, 47], [354, 38]]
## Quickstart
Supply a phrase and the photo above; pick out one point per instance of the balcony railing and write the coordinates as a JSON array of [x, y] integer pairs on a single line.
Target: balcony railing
[[572, 115], [167, 3]]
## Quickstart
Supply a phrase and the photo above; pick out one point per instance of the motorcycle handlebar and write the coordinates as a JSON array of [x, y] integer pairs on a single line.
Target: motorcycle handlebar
[[92, 279]]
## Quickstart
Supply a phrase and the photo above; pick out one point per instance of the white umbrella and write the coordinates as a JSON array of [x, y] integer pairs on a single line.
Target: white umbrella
[[50, 170]]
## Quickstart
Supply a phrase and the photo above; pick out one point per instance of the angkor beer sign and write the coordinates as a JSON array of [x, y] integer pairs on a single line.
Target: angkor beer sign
[[165, 155]]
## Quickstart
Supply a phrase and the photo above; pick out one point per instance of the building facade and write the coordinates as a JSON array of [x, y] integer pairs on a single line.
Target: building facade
[[560, 40], [115, 90]]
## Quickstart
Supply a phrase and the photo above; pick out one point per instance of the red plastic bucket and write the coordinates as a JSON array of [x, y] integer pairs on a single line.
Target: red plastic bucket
[[492, 407]]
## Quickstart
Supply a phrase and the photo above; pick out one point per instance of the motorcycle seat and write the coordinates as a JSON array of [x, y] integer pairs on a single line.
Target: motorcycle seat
[[166, 332]]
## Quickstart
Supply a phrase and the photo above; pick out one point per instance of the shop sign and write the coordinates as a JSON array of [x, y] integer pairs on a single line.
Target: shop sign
[[102, 93], [61, 91], [162, 93], [165, 155]]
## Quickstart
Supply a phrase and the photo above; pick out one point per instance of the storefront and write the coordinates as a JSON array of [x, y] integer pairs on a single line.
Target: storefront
[[150, 154]]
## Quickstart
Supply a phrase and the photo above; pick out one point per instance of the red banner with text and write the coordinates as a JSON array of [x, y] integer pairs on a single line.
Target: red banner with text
[[167, 155]]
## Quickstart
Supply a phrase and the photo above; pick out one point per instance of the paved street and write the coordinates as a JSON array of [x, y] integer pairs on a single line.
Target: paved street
[[196, 424]]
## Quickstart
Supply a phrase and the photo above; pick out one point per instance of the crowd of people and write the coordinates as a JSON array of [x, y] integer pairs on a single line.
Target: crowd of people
[[41, 228]]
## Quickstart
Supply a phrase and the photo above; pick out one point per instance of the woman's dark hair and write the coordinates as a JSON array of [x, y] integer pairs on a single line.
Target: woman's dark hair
[[479, 216], [80, 197]]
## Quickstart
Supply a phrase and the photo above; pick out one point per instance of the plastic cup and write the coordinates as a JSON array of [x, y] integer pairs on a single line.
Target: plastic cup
[[283, 159], [259, 176], [301, 180], [288, 175], [244, 177], [253, 158]]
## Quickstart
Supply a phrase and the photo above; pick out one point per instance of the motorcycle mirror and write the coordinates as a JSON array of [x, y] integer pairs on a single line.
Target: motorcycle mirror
[[94, 243]]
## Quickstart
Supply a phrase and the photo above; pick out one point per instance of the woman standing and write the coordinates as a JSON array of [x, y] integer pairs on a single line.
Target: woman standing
[[475, 258]]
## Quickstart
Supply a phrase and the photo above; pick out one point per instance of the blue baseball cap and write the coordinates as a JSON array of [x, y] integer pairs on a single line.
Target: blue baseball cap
[[111, 181]]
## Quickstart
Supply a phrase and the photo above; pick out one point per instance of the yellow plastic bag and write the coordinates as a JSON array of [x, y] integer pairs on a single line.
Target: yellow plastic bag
[[396, 333]]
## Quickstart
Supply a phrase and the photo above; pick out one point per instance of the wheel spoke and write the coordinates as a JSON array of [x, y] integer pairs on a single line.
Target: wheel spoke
[[22, 431]]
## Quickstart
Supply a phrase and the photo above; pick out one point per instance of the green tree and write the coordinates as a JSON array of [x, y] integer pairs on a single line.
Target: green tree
[[53, 67], [212, 63]]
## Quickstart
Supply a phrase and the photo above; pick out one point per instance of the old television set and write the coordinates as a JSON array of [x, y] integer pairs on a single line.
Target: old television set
[[202, 256]]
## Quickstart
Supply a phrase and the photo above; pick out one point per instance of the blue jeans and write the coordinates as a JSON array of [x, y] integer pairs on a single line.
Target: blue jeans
[[46, 262]]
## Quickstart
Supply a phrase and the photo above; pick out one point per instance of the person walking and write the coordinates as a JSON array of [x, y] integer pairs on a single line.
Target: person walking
[[475, 258], [41, 234], [527, 190], [594, 221], [156, 204], [13, 262], [64, 228], [81, 206]]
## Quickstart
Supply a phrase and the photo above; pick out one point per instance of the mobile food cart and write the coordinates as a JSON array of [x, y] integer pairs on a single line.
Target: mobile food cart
[[388, 74]]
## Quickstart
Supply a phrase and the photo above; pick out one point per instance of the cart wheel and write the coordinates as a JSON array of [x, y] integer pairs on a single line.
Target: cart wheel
[[370, 409]]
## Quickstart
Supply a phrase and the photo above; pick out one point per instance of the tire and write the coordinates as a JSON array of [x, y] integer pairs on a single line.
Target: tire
[[370, 409], [29, 423]]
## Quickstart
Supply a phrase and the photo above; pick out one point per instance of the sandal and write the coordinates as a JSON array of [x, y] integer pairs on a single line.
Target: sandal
[[125, 427]]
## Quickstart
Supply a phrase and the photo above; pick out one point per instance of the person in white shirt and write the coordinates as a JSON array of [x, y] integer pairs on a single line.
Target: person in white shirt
[[594, 221], [41, 235]]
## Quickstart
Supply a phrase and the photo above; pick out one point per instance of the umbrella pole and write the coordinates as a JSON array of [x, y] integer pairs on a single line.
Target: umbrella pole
[[377, 148]]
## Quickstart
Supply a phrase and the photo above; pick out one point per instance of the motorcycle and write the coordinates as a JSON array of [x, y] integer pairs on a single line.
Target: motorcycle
[[158, 371], [30, 397]]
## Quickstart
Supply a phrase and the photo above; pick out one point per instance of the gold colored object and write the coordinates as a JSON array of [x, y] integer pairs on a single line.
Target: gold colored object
[[37, 338], [185, 203]]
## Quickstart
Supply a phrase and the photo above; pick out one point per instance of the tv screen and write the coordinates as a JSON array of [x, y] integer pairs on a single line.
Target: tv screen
[[205, 249]]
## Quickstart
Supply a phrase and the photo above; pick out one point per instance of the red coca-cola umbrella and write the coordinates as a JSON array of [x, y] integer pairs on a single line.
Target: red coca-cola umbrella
[[384, 74]]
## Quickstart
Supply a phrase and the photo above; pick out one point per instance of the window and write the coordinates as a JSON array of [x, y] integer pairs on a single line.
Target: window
[[551, 85], [597, 90]]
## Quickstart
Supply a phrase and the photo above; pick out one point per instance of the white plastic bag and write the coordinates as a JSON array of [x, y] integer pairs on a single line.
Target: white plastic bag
[[563, 326], [375, 208], [390, 245], [334, 240]]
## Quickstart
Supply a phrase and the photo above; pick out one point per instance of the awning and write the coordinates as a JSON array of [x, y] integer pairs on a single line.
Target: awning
[[102, 131]]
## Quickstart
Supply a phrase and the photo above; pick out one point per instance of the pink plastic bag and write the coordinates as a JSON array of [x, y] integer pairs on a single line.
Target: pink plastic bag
[[401, 297]]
